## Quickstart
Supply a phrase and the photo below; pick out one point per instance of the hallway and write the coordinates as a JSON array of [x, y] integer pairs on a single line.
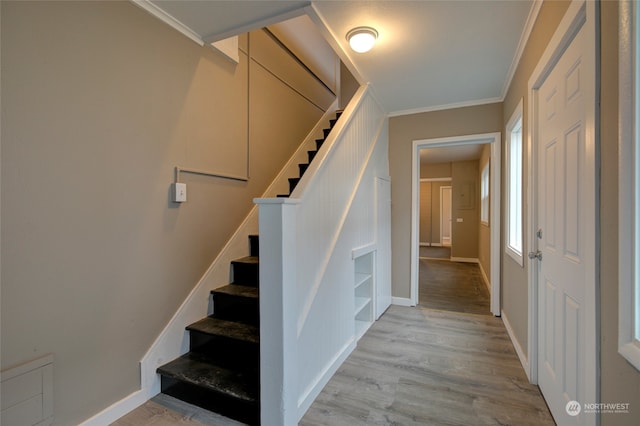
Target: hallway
[[426, 365], [419, 366], [448, 361]]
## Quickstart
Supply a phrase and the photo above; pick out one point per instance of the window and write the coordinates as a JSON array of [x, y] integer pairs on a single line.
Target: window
[[514, 186], [629, 186], [484, 195]]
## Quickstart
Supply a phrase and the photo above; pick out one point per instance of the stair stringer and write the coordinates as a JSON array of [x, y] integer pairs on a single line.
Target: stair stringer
[[173, 341]]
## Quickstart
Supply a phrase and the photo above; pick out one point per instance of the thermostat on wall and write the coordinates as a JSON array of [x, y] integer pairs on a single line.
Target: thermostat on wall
[[179, 192]]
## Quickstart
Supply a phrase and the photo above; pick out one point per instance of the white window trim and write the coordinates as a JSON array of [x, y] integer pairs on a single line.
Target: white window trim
[[516, 117], [629, 179], [485, 192]]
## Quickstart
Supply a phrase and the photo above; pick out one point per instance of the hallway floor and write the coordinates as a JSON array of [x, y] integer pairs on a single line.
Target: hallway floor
[[419, 366], [453, 286], [415, 366]]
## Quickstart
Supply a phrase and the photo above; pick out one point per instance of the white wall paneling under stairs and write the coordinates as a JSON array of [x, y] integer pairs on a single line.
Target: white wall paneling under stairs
[[308, 272]]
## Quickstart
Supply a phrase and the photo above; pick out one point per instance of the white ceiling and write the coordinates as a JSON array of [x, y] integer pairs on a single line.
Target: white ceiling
[[430, 54], [449, 154]]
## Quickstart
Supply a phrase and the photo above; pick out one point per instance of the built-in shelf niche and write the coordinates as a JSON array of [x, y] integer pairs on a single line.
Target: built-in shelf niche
[[364, 266]]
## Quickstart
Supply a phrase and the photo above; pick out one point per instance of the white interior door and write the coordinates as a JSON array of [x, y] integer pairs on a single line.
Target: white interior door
[[445, 215], [561, 185], [383, 264]]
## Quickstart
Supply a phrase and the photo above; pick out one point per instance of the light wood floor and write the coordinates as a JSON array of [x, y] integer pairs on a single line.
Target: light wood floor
[[453, 286], [415, 366], [420, 366]]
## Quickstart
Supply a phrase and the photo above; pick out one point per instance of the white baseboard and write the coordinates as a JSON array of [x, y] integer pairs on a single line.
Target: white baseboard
[[401, 301], [313, 390], [486, 280], [521, 354], [465, 259], [118, 409]]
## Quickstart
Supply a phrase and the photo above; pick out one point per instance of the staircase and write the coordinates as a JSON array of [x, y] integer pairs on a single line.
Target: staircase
[[293, 182], [221, 371]]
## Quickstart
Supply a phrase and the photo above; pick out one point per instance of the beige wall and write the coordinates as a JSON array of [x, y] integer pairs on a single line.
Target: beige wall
[[430, 211], [348, 86], [620, 382], [465, 209], [403, 130], [100, 101], [484, 236], [436, 170], [430, 200]]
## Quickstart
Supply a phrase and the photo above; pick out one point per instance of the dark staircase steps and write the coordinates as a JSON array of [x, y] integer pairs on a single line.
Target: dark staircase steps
[[293, 182], [221, 371], [254, 245], [231, 344], [245, 271], [211, 326], [234, 302], [197, 380]]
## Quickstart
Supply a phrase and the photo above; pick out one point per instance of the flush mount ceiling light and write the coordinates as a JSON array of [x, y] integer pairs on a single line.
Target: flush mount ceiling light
[[362, 39]]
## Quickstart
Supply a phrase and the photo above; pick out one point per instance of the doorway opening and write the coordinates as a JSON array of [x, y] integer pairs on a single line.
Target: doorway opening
[[435, 218], [463, 197]]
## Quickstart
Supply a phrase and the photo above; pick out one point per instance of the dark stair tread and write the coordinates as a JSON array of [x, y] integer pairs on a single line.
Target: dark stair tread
[[254, 245], [253, 260], [196, 369], [230, 329], [238, 290]]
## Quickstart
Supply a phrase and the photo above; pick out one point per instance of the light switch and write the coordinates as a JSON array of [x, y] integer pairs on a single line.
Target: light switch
[[459, 219], [179, 192]]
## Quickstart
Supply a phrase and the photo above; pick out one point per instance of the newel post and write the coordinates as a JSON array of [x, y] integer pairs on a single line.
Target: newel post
[[278, 311]]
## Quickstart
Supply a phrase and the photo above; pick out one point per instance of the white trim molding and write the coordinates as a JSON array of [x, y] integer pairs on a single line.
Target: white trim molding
[[401, 301], [465, 104], [159, 13], [629, 178], [515, 122], [494, 181], [516, 345], [485, 278]]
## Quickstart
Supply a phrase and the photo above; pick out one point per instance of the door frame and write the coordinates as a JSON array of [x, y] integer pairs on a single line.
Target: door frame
[[442, 188], [581, 14], [494, 183]]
